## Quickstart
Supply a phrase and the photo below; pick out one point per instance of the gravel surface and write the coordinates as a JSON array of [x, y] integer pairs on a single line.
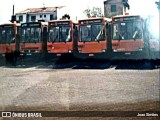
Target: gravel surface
[[50, 89]]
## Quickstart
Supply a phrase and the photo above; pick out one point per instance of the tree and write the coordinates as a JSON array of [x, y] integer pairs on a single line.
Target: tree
[[158, 5], [66, 16], [125, 4], [96, 11]]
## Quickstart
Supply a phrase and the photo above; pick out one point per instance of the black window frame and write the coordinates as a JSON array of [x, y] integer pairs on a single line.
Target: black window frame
[[51, 17], [33, 19], [113, 8], [21, 18]]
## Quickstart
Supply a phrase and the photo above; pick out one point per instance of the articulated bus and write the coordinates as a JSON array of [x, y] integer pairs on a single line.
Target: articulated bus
[[130, 38], [93, 38], [61, 37], [33, 40], [9, 46]]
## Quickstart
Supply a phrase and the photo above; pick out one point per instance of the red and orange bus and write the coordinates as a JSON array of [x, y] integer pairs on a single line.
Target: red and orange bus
[[9, 44], [32, 38], [129, 38], [92, 42], [61, 37]]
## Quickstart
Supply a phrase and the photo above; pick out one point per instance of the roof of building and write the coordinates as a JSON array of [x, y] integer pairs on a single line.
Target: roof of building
[[106, 1], [38, 10]]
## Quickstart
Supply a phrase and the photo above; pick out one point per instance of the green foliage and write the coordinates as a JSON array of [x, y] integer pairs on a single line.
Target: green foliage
[[95, 11]]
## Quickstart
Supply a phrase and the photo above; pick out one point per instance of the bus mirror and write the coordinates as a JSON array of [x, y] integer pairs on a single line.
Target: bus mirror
[[119, 38], [45, 29], [74, 26], [107, 25]]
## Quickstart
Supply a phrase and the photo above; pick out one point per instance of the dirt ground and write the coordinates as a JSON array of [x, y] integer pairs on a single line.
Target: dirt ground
[[68, 89]]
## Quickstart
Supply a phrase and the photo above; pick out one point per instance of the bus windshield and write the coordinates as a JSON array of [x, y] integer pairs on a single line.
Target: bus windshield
[[7, 34], [30, 34], [60, 34], [127, 30], [89, 33]]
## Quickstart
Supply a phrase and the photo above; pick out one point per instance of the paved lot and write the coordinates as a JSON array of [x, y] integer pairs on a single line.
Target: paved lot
[[78, 89]]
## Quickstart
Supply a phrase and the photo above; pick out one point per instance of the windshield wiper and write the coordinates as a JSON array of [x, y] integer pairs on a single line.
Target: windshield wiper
[[97, 38], [135, 35]]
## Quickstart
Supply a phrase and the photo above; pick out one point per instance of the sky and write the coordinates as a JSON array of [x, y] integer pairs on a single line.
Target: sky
[[74, 8]]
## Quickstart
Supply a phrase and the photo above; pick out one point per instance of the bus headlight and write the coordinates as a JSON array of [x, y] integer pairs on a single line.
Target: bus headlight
[[70, 51], [103, 50], [37, 51], [80, 51], [114, 50], [140, 49]]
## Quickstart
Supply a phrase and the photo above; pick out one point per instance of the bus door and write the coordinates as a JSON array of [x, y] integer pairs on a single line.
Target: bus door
[[44, 41]]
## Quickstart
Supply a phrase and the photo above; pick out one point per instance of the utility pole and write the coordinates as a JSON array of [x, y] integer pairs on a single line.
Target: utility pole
[[13, 17], [56, 13]]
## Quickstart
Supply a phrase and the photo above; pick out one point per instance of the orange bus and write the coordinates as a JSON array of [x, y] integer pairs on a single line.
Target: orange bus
[[92, 42], [9, 44], [32, 38], [61, 38], [129, 38]]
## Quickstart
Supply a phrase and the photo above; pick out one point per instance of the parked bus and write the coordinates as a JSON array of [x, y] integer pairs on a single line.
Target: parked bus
[[152, 25], [93, 42], [61, 37], [9, 41], [130, 38], [33, 38]]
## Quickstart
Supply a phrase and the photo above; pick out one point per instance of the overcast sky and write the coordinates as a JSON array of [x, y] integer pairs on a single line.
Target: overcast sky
[[73, 7]]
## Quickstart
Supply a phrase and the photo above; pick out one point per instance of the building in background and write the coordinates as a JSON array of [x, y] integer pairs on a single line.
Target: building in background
[[38, 14], [115, 7]]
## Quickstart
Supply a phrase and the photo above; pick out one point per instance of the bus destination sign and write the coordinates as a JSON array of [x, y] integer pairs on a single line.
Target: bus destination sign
[[90, 21], [31, 25], [126, 18], [60, 23]]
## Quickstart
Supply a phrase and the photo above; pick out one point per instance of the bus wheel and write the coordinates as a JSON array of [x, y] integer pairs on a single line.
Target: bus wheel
[[147, 64]]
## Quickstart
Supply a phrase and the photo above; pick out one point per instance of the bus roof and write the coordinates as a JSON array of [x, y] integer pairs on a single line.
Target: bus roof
[[7, 24], [120, 16], [43, 23], [96, 18], [63, 20]]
